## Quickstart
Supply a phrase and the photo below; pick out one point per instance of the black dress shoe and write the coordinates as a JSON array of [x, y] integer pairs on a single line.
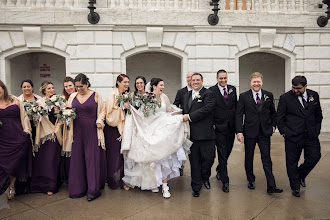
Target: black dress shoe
[[274, 189], [302, 182], [195, 193], [218, 176], [89, 199], [296, 193], [207, 184], [251, 185], [181, 171], [225, 187]]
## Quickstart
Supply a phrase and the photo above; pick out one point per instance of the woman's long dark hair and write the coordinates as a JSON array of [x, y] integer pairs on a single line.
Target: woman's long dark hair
[[6, 97], [144, 80], [67, 79], [83, 79]]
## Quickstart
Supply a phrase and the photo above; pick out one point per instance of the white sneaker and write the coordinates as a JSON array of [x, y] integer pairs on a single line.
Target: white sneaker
[[155, 190], [166, 192]]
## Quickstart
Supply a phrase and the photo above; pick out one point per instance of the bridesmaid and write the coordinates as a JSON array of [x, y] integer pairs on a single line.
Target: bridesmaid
[[84, 141], [15, 142], [140, 84], [47, 149], [115, 118], [68, 89]]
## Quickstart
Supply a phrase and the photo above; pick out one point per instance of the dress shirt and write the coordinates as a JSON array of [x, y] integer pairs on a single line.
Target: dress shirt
[[305, 97], [192, 98], [221, 89], [255, 95]]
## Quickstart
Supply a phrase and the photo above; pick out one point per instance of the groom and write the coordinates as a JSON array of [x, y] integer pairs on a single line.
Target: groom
[[198, 106]]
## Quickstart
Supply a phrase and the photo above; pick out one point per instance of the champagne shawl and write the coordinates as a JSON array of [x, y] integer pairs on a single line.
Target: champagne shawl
[[25, 121], [115, 116], [21, 97], [46, 130], [68, 134]]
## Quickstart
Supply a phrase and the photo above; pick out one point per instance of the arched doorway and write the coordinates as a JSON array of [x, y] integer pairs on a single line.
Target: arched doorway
[[37, 66], [156, 64], [271, 66]]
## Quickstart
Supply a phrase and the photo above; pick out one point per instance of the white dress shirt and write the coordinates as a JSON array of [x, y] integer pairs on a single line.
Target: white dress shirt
[[193, 96], [222, 89], [255, 95], [300, 98]]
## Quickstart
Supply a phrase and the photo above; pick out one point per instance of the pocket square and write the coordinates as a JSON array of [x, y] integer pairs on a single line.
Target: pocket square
[[199, 100]]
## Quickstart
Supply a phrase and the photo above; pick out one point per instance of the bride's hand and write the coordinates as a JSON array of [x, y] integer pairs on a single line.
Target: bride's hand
[[99, 126], [126, 105]]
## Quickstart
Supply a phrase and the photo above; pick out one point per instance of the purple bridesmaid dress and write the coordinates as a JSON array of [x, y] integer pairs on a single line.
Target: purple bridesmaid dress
[[87, 165], [15, 146], [45, 165], [115, 160]]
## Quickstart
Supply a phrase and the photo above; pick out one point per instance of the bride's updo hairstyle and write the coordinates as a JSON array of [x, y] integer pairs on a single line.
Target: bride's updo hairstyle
[[83, 79], [154, 82]]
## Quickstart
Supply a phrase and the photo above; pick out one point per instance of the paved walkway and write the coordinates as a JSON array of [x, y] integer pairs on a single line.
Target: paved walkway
[[239, 203]]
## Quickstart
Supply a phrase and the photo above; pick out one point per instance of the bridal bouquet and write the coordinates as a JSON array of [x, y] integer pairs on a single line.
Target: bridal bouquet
[[34, 111], [147, 103], [123, 98], [67, 115], [55, 100]]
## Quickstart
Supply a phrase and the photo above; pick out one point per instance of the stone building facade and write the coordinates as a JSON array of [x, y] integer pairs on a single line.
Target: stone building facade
[[51, 39]]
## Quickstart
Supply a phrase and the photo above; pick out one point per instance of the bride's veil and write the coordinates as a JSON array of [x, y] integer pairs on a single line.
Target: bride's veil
[[148, 87]]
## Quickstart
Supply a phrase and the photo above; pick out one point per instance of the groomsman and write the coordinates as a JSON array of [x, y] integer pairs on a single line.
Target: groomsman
[[198, 108], [179, 103], [256, 106], [224, 124], [180, 94], [299, 121]]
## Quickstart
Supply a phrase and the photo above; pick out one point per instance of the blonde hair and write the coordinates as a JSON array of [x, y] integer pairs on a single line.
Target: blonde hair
[[44, 87], [256, 75]]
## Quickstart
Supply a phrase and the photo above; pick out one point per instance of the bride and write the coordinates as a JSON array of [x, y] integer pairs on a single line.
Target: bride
[[153, 146]]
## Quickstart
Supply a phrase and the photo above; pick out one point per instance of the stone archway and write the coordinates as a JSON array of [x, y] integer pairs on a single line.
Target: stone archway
[[156, 64], [271, 66]]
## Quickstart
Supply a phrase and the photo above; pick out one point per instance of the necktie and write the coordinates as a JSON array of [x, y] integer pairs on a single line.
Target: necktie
[[225, 94], [258, 99], [305, 104]]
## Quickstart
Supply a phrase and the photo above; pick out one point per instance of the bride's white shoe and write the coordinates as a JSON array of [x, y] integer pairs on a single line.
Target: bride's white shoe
[[155, 190], [166, 192]]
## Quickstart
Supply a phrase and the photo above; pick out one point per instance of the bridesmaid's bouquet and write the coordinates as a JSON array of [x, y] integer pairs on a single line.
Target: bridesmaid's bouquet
[[34, 111], [55, 100], [123, 98], [147, 103], [67, 115]]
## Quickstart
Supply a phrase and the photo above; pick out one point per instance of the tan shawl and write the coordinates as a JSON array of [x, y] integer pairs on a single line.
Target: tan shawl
[[68, 134], [45, 130], [115, 116], [21, 97], [25, 121]]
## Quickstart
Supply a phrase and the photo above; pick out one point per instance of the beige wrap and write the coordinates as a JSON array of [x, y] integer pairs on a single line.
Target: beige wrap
[[68, 134], [46, 130], [25, 121], [21, 97], [115, 116]]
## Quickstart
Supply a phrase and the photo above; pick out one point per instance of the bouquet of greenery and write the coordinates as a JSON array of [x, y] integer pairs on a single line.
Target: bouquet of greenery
[[55, 100], [123, 98], [34, 111], [67, 115], [147, 103]]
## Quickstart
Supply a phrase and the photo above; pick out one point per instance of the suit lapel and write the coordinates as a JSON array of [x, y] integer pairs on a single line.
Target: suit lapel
[[220, 95], [252, 100], [298, 103], [195, 100]]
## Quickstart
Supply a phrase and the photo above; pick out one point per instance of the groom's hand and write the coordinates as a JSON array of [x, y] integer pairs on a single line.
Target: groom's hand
[[185, 117], [240, 137]]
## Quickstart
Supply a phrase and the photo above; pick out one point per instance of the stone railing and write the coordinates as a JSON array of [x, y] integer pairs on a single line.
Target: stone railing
[[284, 6]]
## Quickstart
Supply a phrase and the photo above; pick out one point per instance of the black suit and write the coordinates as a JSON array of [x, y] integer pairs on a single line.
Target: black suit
[[179, 98], [201, 134], [224, 122], [257, 127], [301, 127]]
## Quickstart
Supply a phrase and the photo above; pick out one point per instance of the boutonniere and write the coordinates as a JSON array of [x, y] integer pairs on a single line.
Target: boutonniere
[[230, 91], [197, 95], [311, 98], [266, 97]]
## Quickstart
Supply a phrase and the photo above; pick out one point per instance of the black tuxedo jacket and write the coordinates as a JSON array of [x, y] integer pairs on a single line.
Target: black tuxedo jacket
[[200, 113], [294, 120], [224, 111], [179, 100], [255, 116]]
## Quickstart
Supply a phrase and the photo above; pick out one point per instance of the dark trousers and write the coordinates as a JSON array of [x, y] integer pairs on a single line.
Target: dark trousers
[[264, 146], [312, 154], [224, 143], [201, 160]]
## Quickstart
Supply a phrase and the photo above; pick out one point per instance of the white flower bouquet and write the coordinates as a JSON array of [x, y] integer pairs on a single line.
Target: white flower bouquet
[[34, 111], [123, 98], [67, 115], [147, 103], [55, 100]]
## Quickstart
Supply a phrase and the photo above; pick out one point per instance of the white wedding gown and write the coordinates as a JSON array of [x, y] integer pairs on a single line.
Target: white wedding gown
[[153, 146]]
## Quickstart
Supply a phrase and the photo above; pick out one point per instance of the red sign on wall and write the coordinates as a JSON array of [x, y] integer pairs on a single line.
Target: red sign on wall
[[44, 68], [44, 75]]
